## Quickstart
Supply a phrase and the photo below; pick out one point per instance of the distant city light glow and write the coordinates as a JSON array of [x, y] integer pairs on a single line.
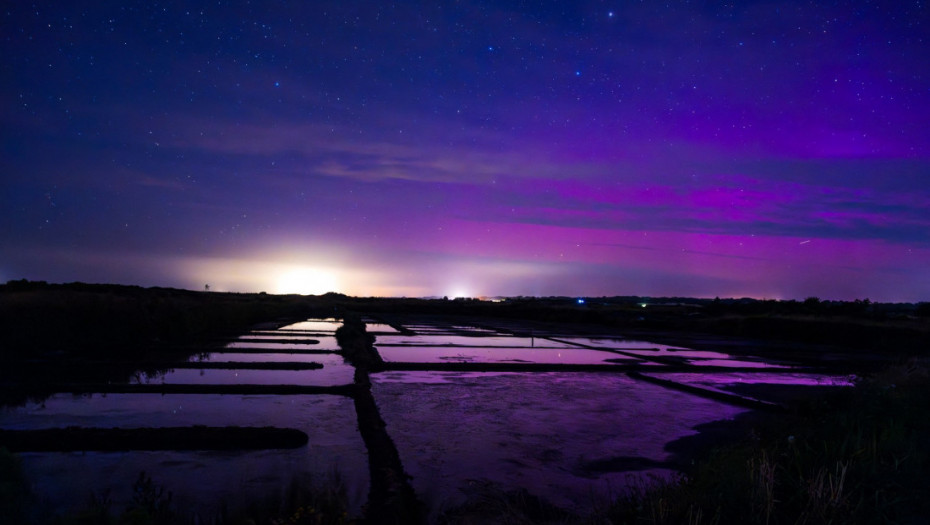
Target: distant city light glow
[[306, 281]]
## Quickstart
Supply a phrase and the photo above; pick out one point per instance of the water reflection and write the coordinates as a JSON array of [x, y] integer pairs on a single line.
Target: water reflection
[[324, 344], [619, 344], [327, 376], [325, 325], [471, 340], [429, 354], [568, 437], [380, 328], [537, 431], [202, 480]]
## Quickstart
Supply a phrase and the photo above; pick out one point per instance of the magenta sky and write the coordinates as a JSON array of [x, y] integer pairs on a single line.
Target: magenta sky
[[771, 149]]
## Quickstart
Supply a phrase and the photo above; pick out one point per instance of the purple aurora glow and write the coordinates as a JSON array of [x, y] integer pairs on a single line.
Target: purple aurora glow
[[471, 148]]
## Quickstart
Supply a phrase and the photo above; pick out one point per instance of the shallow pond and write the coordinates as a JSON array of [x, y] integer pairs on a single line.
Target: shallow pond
[[324, 325], [380, 328], [570, 437], [441, 354], [618, 344], [326, 376], [200, 481], [470, 340], [324, 343], [573, 438]]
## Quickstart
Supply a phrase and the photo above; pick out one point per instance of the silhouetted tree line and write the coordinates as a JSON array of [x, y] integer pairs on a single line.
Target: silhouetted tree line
[[92, 319]]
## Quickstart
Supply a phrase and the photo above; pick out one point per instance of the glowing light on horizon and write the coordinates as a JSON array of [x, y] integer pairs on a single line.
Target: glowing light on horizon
[[459, 293], [306, 281], [247, 275]]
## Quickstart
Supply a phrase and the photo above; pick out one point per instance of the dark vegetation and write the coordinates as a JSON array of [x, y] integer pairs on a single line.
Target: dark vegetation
[[900, 329], [857, 456], [58, 333], [110, 320]]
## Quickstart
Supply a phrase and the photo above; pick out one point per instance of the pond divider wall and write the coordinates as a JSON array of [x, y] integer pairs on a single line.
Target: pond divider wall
[[259, 350], [664, 360], [170, 365], [90, 388], [79, 439], [391, 499], [732, 399], [275, 340]]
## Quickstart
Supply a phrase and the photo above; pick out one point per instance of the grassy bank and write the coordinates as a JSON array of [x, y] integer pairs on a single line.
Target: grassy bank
[[305, 501], [855, 457]]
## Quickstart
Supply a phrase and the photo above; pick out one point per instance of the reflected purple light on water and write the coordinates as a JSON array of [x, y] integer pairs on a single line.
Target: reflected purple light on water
[[379, 327], [799, 379], [324, 344], [619, 344], [430, 354], [314, 326], [200, 481], [735, 363], [325, 359], [326, 376], [541, 432], [572, 438], [282, 337], [700, 354], [464, 340]]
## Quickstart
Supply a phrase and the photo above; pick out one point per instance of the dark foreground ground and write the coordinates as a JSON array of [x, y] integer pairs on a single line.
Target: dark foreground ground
[[856, 456]]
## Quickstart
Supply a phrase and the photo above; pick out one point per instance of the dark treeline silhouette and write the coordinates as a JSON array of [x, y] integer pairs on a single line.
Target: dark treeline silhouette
[[58, 333], [110, 320], [102, 319]]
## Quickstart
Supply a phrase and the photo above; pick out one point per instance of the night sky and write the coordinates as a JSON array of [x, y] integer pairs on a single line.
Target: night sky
[[764, 149]]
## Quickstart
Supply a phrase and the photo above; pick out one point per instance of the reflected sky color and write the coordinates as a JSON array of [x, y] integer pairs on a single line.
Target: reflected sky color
[[775, 150]]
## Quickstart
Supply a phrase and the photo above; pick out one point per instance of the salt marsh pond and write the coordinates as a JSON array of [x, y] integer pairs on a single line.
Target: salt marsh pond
[[567, 416]]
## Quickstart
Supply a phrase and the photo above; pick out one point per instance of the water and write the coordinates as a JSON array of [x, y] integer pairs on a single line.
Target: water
[[186, 376], [335, 370], [330, 360], [619, 344], [324, 344], [316, 325], [431, 354], [200, 481], [550, 433], [470, 340], [572, 438], [204, 481], [380, 328]]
